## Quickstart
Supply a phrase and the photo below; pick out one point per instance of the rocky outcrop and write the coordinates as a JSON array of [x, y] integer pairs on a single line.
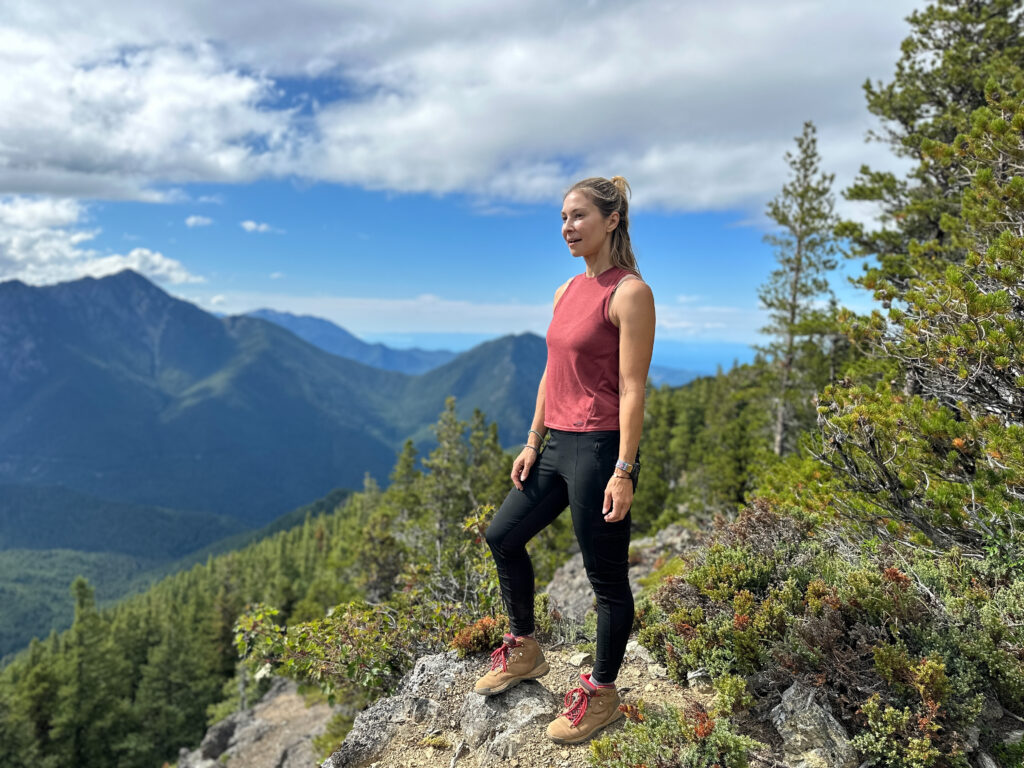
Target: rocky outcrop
[[496, 725], [811, 735], [570, 590], [418, 700], [276, 733], [435, 720]]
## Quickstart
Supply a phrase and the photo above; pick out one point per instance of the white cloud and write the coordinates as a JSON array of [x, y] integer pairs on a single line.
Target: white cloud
[[42, 241], [276, 275], [257, 226], [198, 221], [695, 102]]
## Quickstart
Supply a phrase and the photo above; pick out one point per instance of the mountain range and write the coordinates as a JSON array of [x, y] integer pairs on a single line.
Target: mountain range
[[136, 428], [336, 340], [114, 389]]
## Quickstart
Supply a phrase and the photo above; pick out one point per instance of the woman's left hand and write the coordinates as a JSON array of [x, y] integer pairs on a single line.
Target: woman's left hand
[[618, 498]]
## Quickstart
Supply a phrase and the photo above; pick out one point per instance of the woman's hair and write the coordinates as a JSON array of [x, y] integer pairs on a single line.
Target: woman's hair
[[610, 196]]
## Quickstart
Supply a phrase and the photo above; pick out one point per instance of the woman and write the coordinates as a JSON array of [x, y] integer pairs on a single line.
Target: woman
[[591, 403]]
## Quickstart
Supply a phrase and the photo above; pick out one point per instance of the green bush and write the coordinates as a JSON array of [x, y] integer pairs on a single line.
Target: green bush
[[666, 737], [929, 635]]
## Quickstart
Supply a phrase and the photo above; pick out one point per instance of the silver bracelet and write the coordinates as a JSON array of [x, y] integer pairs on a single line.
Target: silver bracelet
[[527, 445], [538, 434]]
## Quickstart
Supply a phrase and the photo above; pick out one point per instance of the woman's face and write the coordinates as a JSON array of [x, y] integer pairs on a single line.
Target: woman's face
[[585, 230]]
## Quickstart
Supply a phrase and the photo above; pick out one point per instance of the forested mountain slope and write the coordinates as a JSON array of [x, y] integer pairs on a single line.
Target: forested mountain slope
[[113, 388]]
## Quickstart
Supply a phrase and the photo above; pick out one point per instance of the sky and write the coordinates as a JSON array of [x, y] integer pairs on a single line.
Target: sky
[[398, 168]]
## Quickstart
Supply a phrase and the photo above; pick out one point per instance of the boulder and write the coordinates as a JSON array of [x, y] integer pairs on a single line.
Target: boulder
[[498, 723], [217, 740], [635, 651], [419, 699], [811, 735], [699, 680], [373, 728]]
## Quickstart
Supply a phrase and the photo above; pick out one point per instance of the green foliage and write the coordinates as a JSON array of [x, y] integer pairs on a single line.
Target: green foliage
[[774, 598], [665, 737], [901, 738], [804, 343], [723, 571], [448, 576], [707, 445], [943, 467], [953, 50], [1009, 754], [146, 675]]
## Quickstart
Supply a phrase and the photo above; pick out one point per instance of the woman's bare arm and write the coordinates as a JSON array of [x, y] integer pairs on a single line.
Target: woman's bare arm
[[632, 310]]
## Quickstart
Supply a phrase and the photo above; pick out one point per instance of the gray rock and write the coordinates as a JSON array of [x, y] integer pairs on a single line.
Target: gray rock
[[700, 681], [417, 698], [433, 676], [420, 709], [188, 759], [986, 760], [500, 720], [373, 728], [216, 741], [636, 651], [1013, 737], [570, 590], [973, 738], [248, 734], [811, 735], [657, 670], [581, 658], [235, 732]]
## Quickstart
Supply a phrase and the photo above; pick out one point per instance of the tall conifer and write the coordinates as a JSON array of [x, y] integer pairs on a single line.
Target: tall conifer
[[954, 48], [805, 249]]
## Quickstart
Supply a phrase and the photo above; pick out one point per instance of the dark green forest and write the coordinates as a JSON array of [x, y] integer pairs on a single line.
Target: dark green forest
[[860, 487]]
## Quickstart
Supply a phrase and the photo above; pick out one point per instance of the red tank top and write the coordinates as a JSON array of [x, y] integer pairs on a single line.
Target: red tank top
[[582, 384]]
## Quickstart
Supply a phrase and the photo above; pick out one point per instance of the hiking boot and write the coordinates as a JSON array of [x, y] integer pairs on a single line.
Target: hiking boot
[[588, 709], [516, 659]]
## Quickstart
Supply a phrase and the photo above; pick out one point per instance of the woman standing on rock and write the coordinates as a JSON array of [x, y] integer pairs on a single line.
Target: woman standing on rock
[[591, 403]]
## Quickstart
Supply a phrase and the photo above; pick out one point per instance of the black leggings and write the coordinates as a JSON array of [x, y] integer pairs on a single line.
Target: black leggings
[[573, 469]]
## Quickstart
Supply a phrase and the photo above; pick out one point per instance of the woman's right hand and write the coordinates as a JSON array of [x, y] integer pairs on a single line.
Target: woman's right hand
[[521, 466]]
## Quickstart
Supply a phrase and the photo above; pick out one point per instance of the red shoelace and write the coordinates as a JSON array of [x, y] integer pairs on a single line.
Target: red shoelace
[[499, 656], [575, 703]]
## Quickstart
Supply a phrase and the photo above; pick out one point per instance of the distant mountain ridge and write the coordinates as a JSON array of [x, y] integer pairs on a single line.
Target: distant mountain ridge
[[115, 389], [336, 340]]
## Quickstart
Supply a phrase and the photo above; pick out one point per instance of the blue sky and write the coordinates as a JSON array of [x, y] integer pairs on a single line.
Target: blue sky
[[398, 169]]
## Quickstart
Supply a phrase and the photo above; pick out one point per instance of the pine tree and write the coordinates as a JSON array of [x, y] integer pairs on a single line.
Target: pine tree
[[448, 494], [92, 704], [804, 249], [953, 49], [945, 467]]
